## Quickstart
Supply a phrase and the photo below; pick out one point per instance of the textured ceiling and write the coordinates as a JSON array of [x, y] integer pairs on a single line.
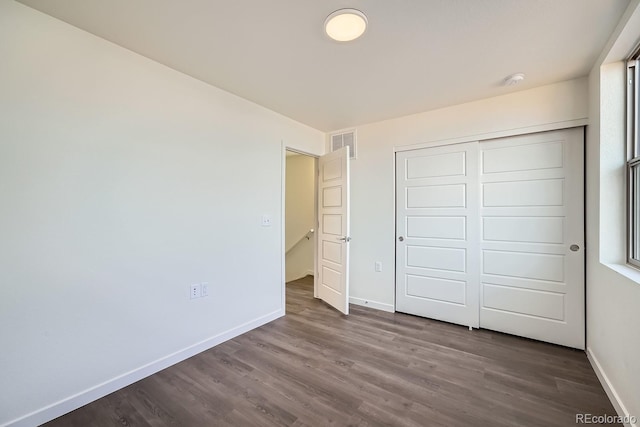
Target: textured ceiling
[[416, 55]]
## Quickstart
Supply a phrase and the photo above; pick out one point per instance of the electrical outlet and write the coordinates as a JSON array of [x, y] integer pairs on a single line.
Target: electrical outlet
[[204, 289], [266, 220], [195, 291]]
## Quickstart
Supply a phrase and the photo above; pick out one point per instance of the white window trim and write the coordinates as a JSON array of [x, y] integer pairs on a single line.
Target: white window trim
[[633, 160]]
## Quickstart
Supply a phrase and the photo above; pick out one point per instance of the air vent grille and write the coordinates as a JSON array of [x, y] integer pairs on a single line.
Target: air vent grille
[[345, 139]]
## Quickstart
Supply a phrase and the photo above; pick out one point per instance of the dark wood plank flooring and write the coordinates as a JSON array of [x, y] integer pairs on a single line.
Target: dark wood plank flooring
[[316, 367]]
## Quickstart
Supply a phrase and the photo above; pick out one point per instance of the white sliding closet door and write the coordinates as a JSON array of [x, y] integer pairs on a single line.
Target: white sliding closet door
[[491, 234], [437, 233], [532, 274]]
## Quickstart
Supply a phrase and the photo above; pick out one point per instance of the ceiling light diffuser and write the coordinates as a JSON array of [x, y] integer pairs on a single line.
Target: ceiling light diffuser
[[345, 25]]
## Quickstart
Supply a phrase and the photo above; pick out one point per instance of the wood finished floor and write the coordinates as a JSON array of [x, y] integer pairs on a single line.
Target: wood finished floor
[[315, 367]]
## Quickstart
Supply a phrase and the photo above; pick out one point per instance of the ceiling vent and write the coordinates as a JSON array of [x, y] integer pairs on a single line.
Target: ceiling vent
[[344, 139]]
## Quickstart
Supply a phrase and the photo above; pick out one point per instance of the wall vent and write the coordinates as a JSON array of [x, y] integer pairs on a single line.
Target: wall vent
[[345, 139]]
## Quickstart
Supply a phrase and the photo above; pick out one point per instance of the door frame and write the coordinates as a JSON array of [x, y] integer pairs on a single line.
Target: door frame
[[283, 248]]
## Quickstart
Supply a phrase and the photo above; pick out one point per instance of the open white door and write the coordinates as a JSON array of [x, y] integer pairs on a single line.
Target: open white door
[[333, 229]]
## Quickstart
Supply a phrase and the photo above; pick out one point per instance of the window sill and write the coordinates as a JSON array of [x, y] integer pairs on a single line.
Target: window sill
[[627, 271]]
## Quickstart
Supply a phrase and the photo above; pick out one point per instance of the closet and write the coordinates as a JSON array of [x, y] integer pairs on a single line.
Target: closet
[[490, 234]]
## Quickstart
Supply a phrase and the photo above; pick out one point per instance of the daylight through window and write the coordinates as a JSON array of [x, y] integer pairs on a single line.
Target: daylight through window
[[633, 164]]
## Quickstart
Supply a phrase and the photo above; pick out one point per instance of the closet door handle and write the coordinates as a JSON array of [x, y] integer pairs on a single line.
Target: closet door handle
[[401, 238]]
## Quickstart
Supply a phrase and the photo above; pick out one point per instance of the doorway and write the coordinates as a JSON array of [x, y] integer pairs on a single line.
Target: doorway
[[300, 216]]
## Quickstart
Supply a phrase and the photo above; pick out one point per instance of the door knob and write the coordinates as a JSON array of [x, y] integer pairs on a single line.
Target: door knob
[[401, 238], [344, 239], [574, 248]]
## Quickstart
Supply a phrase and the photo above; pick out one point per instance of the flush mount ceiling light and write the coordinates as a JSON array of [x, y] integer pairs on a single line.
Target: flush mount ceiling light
[[513, 79], [345, 25]]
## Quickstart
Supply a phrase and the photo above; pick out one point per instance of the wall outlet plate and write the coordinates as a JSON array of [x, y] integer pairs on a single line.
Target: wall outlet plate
[[195, 291]]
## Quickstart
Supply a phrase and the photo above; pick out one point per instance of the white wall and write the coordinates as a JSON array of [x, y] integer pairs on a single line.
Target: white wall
[[372, 173], [613, 289], [299, 215], [121, 183]]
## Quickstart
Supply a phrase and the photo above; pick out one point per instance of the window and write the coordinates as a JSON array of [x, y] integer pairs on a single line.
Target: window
[[633, 163]]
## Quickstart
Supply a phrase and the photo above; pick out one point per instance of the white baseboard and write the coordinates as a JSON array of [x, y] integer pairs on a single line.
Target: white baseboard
[[372, 304], [71, 403], [611, 391]]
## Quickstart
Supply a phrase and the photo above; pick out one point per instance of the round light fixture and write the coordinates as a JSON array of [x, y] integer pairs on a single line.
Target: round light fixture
[[345, 25]]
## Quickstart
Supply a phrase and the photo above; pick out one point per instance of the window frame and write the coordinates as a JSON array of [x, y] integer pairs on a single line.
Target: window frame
[[633, 158]]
